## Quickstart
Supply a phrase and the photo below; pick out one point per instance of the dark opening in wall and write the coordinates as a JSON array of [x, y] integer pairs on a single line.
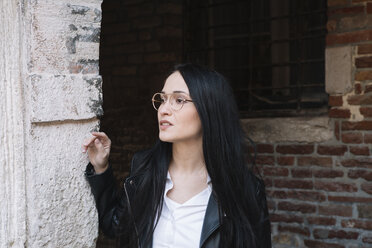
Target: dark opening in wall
[[272, 51]]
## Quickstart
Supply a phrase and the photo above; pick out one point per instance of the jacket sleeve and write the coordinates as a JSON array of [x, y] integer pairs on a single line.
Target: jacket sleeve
[[111, 204], [264, 229]]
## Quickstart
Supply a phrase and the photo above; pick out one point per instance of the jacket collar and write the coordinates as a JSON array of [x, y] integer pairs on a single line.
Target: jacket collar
[[211, 219]]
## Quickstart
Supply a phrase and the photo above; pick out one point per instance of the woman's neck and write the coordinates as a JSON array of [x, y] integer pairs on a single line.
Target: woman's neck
[[187, 157]]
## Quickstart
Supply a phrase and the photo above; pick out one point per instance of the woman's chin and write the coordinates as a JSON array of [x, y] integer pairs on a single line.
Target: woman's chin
[[165, 138]]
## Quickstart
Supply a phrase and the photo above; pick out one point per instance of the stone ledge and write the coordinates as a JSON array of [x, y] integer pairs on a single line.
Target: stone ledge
[[289, 129]]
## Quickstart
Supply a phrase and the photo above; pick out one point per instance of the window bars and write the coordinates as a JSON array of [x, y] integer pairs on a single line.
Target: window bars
[[272, 51]]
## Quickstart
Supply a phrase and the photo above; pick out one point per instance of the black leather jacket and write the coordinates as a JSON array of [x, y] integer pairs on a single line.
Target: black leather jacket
[[113, 208]]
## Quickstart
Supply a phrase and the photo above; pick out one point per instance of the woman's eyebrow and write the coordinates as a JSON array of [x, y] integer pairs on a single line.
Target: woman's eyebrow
[[176, 91]]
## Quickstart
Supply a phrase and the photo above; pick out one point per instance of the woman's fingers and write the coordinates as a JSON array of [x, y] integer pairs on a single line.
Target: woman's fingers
[[103, 138], [99, 140], [87, 143]]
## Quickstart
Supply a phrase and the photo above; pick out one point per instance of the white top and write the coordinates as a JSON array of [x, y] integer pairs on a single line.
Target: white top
[[180, 225]]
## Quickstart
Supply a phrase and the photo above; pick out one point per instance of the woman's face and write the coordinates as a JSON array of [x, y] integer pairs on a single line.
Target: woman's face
[[182, 125]]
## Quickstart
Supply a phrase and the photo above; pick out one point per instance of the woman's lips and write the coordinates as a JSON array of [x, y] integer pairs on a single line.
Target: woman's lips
[[164, 124]]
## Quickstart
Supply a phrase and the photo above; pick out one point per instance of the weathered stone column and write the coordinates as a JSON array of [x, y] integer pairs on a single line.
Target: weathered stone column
[[50, 96]]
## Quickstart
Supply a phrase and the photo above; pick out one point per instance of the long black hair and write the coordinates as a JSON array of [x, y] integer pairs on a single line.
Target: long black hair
[[223, 149]]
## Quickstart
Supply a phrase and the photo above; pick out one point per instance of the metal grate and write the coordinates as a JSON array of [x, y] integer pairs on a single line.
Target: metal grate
[[271, 50]]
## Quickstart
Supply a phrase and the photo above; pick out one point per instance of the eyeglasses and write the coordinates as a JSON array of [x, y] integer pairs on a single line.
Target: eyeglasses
[[176, 100]]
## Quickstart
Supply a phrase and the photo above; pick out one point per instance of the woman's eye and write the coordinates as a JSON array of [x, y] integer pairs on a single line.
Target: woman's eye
[[180, 100]]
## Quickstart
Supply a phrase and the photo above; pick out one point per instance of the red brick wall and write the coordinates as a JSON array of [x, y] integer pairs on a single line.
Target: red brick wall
[[320, 195]]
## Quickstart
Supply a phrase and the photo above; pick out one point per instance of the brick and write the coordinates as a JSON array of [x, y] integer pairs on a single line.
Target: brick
[[366, 111], [367, 175], [317, 161], [160, 57], [341, 234], [358, 88], [320, 233], [324, 221], [346, 10], [275, 171], [365, 48], [301, 173], [331, 150], [336, 209], [349, 199], [124, 70], [352, 138], [306, 195], [367, 187], [297, 207], [363, 75], [367, 239], [337, 130], [121, 38], [350, 23], [367, 88], [152, 46], [319, 244], [328, 173], [129, 48], [332, 3], [331, 26], [336, 101], [335, 186], [265, 160], [331, 234], [145, 35], [368, 138], [358, 163], [295, 149], [271, 205], [356, 150], [114, 28], [352, 223], [288, 160], [140, 10], [349, 37], [169, 8], [294, 229], [135, 58], [146, 22], [287, 218], [365, 211], [365, 99], [293, 184], [363, 62], [265, 148], [298, 194], [339, 113], [169, 32], [174, 20]]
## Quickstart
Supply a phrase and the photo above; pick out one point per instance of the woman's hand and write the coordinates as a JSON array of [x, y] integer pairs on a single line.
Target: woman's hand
[[98, 148]]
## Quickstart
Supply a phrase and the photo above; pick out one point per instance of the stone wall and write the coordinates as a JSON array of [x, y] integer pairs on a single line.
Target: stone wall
[[318, 172], [50, 96]]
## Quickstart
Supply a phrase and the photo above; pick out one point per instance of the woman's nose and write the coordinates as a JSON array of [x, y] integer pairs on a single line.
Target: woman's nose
[[165, 108]]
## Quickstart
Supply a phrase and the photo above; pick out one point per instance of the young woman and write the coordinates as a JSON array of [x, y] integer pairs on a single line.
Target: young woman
[[193, 188]]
